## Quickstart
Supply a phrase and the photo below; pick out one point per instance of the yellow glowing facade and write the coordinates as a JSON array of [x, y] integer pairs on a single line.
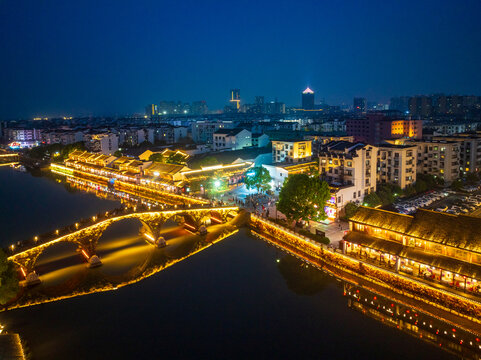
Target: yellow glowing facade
[[291, 151]]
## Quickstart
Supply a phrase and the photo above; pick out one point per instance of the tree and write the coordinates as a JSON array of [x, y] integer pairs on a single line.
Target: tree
[[8, 279], [409, 191], [303, 198], [372, 200], [350, 209], [420, 186], [431, 181], [118, 153], [208, 161], [145, 143], [457, 185], [216, 184], [176, 158], [157, 157], [387, 193], [68, 149], [472, 178], [258, 178]]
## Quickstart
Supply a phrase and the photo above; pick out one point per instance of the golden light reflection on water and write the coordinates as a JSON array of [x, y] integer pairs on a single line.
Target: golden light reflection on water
[[120, 261], [60, 275], [119, 243], [128, 261]]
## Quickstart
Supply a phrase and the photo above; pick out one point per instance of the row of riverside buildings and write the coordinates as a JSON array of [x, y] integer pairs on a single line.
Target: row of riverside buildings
[[355, 168], [432, 246]]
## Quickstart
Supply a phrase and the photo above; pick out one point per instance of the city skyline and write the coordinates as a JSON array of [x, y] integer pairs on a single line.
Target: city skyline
[[81, 59]]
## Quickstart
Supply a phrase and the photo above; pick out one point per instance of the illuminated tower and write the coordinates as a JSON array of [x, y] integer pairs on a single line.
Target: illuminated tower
[[308, 99], [235, 98]]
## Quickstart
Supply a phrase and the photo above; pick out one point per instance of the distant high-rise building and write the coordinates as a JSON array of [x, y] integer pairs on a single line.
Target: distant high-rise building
[[260, 104], [275, 107], [151, 110], [235, 98], [421, 106], [308, 99], [360, 105], [399, 103], [199, 107]]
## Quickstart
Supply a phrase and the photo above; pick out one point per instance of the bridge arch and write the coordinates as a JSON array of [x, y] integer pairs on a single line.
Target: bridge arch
[[87, 238], [119, 234], [55, 263]]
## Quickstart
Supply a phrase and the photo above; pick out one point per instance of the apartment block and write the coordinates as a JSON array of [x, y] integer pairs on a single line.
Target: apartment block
[[106, 143], [291, 151], [350, 169], [396, 164], [439, 158], [232, 139], [469, 150]]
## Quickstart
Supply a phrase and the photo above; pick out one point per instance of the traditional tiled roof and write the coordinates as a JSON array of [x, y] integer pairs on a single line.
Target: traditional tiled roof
[[386, 220], [165, 168], [460, 231], [373, 242], [391, 247]]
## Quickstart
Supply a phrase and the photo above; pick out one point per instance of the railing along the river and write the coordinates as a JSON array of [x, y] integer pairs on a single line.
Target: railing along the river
[[40, 239], [317, 252]]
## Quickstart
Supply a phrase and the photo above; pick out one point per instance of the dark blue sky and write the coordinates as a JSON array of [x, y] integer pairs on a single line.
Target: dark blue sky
[[113, 57]]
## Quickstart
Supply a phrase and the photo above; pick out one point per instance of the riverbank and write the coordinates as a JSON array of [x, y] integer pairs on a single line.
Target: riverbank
[[453, 306]]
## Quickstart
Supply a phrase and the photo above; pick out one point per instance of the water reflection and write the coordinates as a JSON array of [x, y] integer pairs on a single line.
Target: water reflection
[[300, 277], [126, 258], [303, 279], [425, 327]]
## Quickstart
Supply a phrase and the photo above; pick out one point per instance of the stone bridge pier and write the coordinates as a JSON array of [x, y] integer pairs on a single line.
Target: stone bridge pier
[[86, 239]]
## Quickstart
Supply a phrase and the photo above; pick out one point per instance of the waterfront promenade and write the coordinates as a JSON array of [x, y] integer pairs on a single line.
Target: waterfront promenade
[[320, 255]]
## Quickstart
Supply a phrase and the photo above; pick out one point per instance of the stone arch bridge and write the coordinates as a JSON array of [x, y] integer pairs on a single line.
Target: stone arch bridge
[[87, 237]]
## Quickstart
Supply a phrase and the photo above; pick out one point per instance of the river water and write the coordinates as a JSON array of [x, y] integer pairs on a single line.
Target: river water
[[238, 299]]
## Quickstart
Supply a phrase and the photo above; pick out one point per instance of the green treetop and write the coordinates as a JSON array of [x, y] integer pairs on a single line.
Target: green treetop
[[258, 178], [303, 198], [8, 279]]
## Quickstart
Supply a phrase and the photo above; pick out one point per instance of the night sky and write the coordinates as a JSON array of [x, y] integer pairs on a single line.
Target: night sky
[[106, 58]]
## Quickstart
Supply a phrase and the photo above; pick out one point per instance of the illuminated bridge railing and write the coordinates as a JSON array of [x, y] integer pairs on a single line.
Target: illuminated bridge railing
[[95, 220]]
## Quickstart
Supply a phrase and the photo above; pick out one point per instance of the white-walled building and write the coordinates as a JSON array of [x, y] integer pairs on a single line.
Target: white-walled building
[[280, 171], [106, 143], [63, 137], [131, 136], [203, 130], [397, 164], [350, 170], [260, 140], [291, 151], [169, 134], [232, 139]]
